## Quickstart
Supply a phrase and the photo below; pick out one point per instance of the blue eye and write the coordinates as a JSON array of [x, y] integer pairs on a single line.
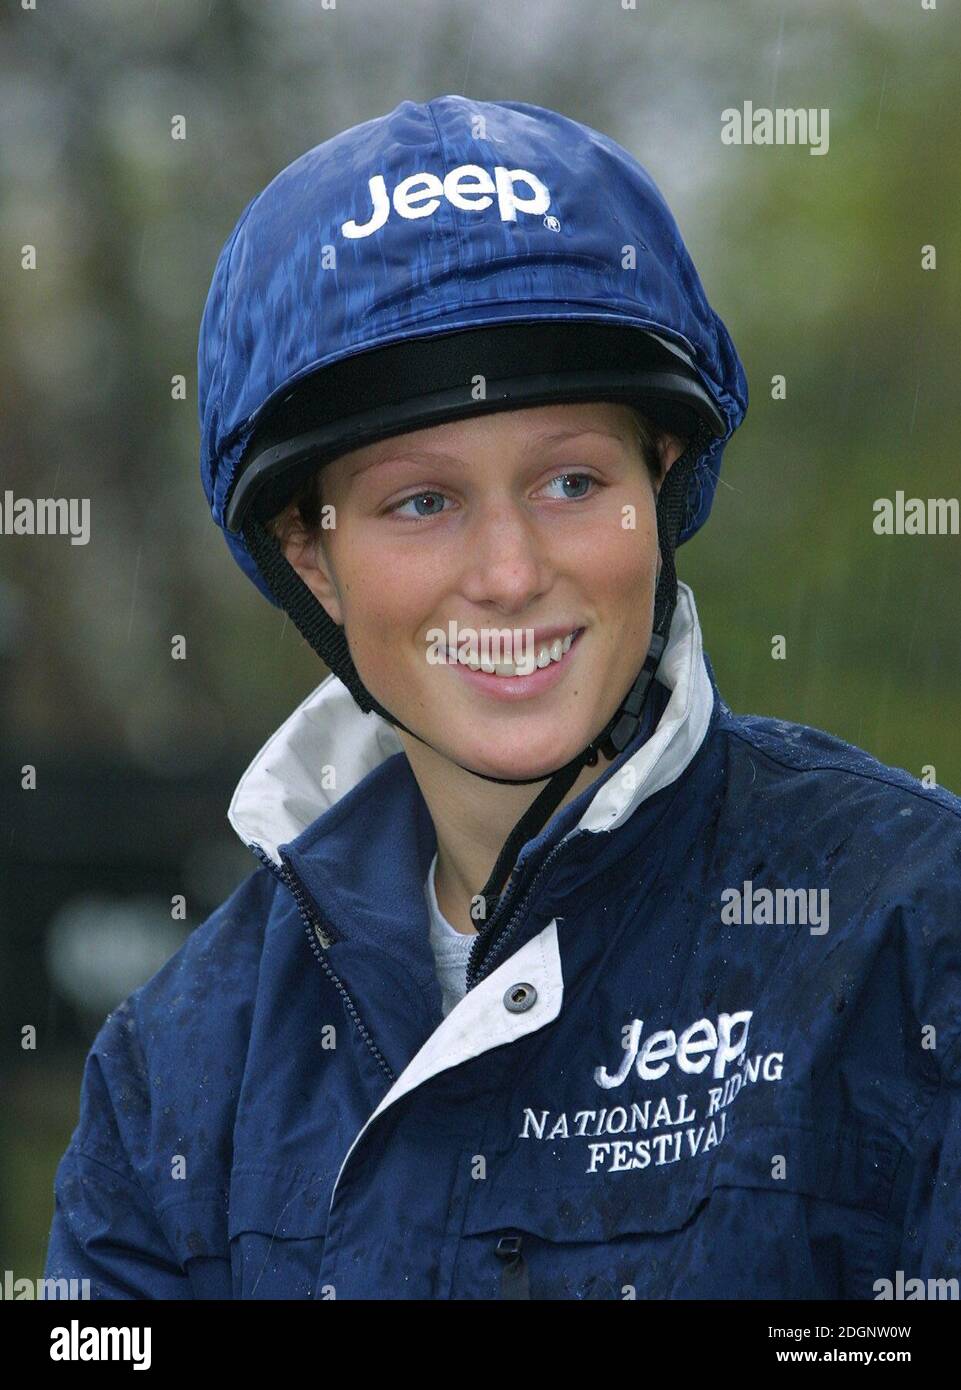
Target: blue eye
[[575, 477], [418, 497]]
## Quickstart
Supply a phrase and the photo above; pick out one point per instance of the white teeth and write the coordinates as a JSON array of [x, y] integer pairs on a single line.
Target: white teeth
[[548, 652]]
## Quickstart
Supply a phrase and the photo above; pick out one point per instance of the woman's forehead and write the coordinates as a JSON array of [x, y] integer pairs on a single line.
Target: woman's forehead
[[527, 428]]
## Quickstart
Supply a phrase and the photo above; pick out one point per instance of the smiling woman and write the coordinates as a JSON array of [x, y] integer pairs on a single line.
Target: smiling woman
[[507, 545], [485, 974]]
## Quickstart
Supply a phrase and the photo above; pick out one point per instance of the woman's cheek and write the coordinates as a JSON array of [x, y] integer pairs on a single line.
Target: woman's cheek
[[627, 562], [380, 618]]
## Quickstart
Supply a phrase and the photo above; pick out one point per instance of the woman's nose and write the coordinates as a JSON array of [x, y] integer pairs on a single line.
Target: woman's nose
[[506, 558]]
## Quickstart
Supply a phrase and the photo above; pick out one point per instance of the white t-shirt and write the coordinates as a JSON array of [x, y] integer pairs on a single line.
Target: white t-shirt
[[451, 948]]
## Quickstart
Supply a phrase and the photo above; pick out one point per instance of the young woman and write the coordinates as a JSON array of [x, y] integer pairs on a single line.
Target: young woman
[[557, 979]]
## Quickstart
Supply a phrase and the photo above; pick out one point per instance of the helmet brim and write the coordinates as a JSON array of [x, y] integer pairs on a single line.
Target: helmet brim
[[423, 381]]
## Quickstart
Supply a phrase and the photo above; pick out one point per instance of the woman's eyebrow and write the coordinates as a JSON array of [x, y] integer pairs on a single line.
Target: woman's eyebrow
[[441, 456], [557, 435], [414, 455]]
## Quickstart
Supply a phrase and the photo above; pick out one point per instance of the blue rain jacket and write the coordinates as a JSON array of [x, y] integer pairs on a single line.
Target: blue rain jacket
[[713, 1051]]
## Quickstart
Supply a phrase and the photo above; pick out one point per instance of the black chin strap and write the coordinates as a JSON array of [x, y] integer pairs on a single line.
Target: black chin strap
[[329, 641], [625, 722]]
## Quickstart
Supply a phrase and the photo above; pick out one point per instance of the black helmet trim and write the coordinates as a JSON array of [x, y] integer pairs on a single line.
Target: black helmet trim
[[423, 381]]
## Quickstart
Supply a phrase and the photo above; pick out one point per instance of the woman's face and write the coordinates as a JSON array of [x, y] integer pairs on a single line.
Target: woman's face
[[540, 520]]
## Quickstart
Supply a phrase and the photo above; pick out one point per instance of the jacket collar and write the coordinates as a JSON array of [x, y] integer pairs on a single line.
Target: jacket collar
[[327, 747]]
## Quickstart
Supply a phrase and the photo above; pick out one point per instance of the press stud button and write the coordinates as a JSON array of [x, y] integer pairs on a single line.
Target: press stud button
[[519, 998]]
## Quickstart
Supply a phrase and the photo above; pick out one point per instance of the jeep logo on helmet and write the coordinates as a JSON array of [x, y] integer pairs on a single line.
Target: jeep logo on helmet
[[468, 187]]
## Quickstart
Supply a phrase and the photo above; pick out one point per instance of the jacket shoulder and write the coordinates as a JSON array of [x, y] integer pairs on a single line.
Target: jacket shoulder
[[186, 1028], [817, 810], [838, 768]]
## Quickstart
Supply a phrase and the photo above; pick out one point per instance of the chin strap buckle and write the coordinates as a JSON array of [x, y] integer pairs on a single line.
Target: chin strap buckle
[[625, 723]]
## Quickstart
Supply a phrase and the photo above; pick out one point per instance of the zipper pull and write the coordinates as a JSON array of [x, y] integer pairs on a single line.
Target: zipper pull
[[514, 1280]]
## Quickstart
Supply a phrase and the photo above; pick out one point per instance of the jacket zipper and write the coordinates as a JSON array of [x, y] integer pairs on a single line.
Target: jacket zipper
[[318, 940], [486, 945]]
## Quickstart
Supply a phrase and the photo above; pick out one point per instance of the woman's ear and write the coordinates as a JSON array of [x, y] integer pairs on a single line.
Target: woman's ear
[[305, 552], [670, 447]]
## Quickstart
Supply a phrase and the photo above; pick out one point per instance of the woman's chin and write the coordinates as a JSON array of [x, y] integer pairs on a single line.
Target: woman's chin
[[519, 766]]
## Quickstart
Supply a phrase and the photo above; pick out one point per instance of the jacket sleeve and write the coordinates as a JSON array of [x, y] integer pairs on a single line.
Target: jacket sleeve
[[104, 1227], [105, 1232], [931, 1236], [919, 1020], [123, 1218]]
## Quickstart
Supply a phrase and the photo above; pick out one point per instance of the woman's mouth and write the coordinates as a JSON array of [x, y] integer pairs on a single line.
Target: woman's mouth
[[502, 681]]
